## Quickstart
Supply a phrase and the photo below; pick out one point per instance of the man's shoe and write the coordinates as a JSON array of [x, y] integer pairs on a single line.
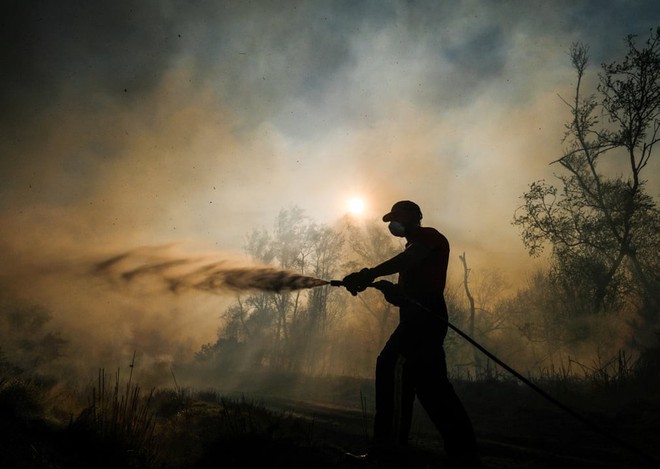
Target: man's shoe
[[359, 457], [378, 457]]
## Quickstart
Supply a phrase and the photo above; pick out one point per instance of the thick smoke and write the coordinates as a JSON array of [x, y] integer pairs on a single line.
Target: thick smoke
[[137, 123]]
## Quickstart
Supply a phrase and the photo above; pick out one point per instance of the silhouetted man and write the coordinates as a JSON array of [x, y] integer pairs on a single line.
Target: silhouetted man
[[413, 360]]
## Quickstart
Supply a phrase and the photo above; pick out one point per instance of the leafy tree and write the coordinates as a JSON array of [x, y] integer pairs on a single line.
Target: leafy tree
[[537, 315], [369, 245], [286, 330], [313, 326], [604, 229]]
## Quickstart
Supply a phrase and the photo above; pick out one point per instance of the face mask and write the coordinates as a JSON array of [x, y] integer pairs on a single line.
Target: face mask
[[397, 229]]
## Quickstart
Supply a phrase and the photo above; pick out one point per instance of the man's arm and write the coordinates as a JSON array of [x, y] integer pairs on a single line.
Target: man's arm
[[412, 256], [359, 281]]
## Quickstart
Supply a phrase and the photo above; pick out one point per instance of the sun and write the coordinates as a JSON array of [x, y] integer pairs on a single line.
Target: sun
[[356, 205]]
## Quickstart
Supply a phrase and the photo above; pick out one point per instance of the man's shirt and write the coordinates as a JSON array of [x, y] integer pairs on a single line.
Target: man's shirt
[[425, 281]]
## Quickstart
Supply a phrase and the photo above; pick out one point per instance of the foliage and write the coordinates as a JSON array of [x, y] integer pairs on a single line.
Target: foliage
[[318, 331], [27, 348], [287, 330], [603, 229], [22, 394], [26, 337], [373, 318]]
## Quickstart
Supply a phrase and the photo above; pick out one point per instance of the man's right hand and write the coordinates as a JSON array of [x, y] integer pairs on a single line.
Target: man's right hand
[[391, 292], [358, 281]]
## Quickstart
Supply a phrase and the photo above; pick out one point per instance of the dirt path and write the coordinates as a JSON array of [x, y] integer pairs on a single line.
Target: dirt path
[[522, 436]]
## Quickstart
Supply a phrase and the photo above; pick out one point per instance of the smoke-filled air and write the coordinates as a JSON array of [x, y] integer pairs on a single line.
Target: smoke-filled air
[[181, 181]]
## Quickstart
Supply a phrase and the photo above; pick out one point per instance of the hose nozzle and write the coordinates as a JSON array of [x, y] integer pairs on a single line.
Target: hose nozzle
[[379, 285]]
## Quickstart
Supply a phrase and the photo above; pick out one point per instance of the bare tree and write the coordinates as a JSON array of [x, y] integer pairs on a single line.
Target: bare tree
[[468, 294], [484, 296]]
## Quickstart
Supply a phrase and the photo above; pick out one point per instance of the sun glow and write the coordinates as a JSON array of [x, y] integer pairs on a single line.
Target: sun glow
[[356, 206]]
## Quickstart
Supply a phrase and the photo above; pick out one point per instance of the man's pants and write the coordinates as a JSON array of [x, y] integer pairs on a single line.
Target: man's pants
[[413, 362]]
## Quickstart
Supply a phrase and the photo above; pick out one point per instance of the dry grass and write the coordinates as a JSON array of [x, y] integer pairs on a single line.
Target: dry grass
[[119, 417], [124, 426]]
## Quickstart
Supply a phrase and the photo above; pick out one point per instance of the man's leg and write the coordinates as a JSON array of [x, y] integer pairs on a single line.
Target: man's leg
[[407, 404], [385, 376], [446, 411], [409, 343], [389, 392]]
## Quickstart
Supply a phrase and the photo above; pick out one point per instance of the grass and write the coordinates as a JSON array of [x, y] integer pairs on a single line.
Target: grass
[[121, 425], [21, 393], [119, 417]]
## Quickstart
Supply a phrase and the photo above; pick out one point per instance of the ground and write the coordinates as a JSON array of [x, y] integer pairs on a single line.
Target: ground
[[316, 427]]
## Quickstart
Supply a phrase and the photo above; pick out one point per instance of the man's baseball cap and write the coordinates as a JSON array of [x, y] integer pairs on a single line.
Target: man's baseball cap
[[403, 207]]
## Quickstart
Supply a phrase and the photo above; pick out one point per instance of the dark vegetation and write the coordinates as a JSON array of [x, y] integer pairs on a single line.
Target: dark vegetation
[[116, 424], [585, 329]]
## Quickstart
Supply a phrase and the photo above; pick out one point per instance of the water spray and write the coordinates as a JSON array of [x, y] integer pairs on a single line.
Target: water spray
[[180, 273]]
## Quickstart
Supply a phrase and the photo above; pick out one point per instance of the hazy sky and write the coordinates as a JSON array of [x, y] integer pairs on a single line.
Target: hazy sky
[[145, 122]]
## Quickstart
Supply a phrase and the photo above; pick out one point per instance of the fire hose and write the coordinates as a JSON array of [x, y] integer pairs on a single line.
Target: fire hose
[[381, 285]]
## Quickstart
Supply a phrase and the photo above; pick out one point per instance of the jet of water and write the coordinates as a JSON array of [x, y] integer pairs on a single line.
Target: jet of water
[[179, 273]]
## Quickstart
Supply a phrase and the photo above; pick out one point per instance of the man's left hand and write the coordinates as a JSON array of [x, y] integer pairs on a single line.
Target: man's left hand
[[358, 281]]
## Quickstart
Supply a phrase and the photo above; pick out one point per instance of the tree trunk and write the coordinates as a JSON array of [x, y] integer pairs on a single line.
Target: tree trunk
[[471, 328]]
